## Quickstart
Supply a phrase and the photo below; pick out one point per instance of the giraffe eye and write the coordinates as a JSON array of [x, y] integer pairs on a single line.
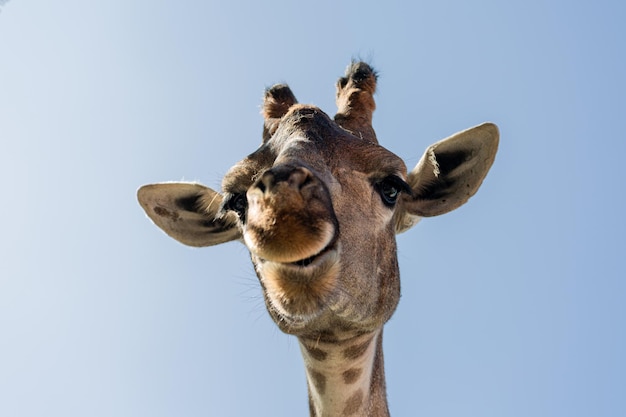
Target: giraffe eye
[[390, 189], [237, 203], [389, 193]]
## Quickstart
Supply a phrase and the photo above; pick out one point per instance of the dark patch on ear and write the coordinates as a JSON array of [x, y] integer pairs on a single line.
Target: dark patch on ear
[[216, 225], [188, 203], [163, 212], [440, 187], [436, 190], [448, 161]]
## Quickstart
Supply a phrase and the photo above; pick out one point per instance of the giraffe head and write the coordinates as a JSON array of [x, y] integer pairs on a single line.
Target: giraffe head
[[318, 205]]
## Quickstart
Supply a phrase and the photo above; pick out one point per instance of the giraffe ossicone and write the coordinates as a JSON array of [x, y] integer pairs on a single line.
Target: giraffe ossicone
[[318, 204]]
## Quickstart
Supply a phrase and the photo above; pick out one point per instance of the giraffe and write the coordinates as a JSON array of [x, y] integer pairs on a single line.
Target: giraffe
[[318, 205]]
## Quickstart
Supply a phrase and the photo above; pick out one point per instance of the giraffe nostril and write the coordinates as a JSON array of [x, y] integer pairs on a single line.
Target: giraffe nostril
[[308, 179], [294, 177], [265, 182], [299, 178]]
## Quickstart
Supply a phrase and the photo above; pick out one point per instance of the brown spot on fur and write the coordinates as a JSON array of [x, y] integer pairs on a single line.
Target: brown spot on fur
[[323, 336], [316, 353], [318, 379], [352, 375], [356, 351], [163, 212], [353, 404]]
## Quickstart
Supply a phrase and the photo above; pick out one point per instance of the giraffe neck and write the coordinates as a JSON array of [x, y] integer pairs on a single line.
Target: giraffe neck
[[346, 377]]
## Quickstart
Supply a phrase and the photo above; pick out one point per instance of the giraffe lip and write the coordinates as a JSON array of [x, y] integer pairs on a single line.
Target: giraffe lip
[[303, 263], [319, 258], [330, 248], [327, 252]]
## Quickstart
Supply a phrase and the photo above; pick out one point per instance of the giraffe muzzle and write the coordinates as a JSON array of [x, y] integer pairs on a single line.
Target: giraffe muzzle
[[290, 217]]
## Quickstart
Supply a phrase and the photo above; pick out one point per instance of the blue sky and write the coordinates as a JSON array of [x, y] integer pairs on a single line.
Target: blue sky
[[512, 305]]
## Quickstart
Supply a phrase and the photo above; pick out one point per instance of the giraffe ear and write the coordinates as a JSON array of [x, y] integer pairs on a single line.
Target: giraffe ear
[[448, 174], [188, 212]]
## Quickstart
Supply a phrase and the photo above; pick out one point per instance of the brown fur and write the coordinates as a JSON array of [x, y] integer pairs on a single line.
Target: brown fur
[[319, 380], [353, 404], [355, 351], [350, 376]]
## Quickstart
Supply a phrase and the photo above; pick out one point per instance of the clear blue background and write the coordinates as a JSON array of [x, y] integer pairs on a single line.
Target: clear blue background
[[513, 305]]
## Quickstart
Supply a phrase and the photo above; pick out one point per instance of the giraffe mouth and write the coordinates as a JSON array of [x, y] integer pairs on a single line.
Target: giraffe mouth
[[311, 260], [304, 252], [302, 290], [330, 251]]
